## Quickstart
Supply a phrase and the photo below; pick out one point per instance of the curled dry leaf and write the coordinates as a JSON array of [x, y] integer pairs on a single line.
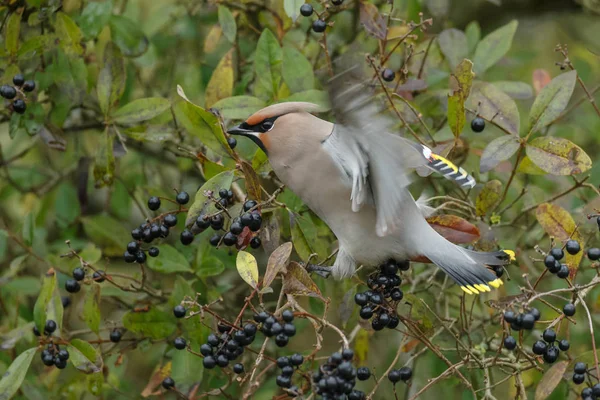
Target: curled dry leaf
[[454, 228], [550, 380], [296, 281], [277, 263], [373, 22], [488, 198]]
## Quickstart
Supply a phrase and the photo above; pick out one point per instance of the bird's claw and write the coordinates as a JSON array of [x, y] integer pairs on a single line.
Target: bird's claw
[[318, 269]]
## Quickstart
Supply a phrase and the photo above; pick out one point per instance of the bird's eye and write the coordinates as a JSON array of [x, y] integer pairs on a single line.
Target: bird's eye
[[266, 126]]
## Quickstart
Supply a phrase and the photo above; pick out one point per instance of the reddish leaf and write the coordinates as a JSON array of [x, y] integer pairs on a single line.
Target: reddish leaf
[[373, 22], [455, 229], [541, 78]]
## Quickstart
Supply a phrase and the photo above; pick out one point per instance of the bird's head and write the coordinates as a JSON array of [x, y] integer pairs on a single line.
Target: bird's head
[[277, 123]]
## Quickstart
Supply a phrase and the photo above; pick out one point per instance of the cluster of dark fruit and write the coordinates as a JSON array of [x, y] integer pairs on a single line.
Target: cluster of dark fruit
[[288, 365], [589, 393], [318, 25], [547, 348], [477, 124], [251, 219], [337, 377], [383, 297], [282, 330], [73, 285], [54, 355], [220, 350], [49, 328], [523, 320], [403, 374], [10, 92], [552, 260]]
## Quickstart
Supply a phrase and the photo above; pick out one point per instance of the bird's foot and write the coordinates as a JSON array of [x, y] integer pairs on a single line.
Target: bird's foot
[[318, 269]]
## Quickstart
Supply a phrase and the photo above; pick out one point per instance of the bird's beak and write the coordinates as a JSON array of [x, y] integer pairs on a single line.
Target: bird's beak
[[238, 130]]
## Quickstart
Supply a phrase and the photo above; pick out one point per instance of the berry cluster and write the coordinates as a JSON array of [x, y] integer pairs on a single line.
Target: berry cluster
[[383, 297], [288, 365], [337, 377], [477, 124], [552, 260], [220, 350], [318, 25], [56, 356], [49, 328], [282, 330], [547, 349], [523, 320], [17, 92], [403, 374], [79, 274]]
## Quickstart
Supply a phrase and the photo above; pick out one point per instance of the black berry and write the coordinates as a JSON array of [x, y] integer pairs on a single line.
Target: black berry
[[394, 376], [168, 383], [182, 198], [256, 222], [238, 368], [153, 251], [549, 261], [306, 10], [202, 222], [19, 106], [78, 274], [255, 242], [231, 142], [249, 204], [549, 335], [539, 347], [557, 253], [179, 343], [154, 203], [115, 336], [363, 373], [229, 239], [186, 237], [569, 309], [215, 239], [578, 379], [297, 359], [136, 233], [580, 368], [29, 86], [319, 26], [282, 340], [63, 354], [50, 326], [388, 75], [217, 222], [528, 321], [179, 311], [287, 315], [536, 313], [563, 272], [8, 92], [66, 301], [551, 354], [594, 254], [477, 124], [18, 80], [337, 2], [72, 286], [564, 345], [509, 316], [573, 247], [510, 343], [140, 257], [209, 362], [170, 220], [236, 228], [405, 373]]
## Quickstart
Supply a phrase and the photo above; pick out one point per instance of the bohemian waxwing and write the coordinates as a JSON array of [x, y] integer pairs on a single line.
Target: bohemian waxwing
[[354, 175]]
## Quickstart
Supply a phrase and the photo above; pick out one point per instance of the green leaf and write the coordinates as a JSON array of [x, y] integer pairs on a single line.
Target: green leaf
[[155, 324], [94, 17], [526, 166], [40, 309], [516, 90], [111, 80], [303, 239], [292, 8], [107, 233], [208, 266], [202, 124], [460, 86], [453, 44], [489, 197], [239, 107], [187, 368], [227, 22], [201, 203], [14, 125], [66, 205], [267, 63], [34, 46], [551, 101], [494, 105], [91, 308], [558, 156], [247, 267], [318, 97], [13, 377], [28, 230], [473, 33], [297, 70], [220, 85], [169, 260], [128, 36], [104, 165], [84, 357], [141, 110], [498, 150], [493, 47], [69, 34], [11, 34]]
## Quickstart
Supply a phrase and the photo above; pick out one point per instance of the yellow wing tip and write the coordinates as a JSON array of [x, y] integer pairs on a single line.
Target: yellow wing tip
[[466, 290], [496, 283], [511, 254]]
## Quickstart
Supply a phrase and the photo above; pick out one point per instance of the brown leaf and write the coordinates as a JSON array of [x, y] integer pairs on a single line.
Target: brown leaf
[[488, 198], [373, 22], [550, 380], [541, 78], [252, 181], [277, 263], [558, 156], [296, 281], [455, 229]]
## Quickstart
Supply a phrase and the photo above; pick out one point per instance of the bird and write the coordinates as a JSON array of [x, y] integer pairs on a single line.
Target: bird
[[354, 175]]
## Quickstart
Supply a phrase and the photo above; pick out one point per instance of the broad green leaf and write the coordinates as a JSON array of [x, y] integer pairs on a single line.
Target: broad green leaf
[[201, 203], [292, 8], [488, 198], [247, 268], [91, 308], [70, 75], [69, 33], [28, 230], [94, 384], [66, 205], [372, 21], [557, 222], [551, 101], [297, 70], [220, 85], [227, 22], [296, 281], [493, 47], [187, 369], [208, 266], [11, 31], [128, 36], [169, 260], [107, 233], [267, 63], [35, 45], [111, 80], [460, 86], [550, 380], [516, 90], [318, 97], [155, 324], [473, 34], [202, 124], [239, 107], [13, 377], [558, 156], [15, 125], [40, 309], [181, 288], [498, 150], [278, 260], [141, 110], [454, 46], [494, 105], [84, 357], [104, 165], [94, 17]]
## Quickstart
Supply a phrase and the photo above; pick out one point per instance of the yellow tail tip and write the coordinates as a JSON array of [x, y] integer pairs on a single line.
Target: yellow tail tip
[[466, 290], [496, 283], [511, 254]]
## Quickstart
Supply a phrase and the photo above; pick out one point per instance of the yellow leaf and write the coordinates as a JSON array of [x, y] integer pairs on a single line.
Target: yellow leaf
[[220, 85], [212, 39], [361, 346], [247, 268]]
